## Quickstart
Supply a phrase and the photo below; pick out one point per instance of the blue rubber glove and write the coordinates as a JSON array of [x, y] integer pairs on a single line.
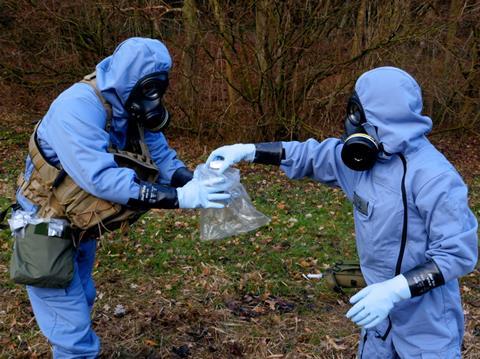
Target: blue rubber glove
[[373, 303], [232, 154], [203, 194]]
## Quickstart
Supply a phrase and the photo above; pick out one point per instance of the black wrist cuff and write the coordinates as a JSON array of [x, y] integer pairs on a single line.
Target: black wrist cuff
[[181, 177], [423, 278], [152, 195], [269, 153]]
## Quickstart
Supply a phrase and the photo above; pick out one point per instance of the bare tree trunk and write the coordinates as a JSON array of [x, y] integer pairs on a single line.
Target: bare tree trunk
[[472, 87], [190, 54], [261, 32], [456, 9], [261, 37], [449, 66], [219, 17], [359, 29]]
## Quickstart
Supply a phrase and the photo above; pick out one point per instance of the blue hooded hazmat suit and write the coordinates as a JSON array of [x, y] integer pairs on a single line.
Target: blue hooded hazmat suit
[[439, 225], [73, 134]]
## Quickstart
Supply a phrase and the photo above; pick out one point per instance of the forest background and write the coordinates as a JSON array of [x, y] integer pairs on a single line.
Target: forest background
[[251, 70]]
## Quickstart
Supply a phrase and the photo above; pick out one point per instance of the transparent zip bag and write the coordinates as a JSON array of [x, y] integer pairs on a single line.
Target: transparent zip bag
[[238, 216]]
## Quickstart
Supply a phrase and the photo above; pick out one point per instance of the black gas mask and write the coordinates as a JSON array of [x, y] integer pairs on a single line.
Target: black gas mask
[[360, 150], [144, 104]]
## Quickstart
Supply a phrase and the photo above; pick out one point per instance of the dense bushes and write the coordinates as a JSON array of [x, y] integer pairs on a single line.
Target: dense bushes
[[251, 70]]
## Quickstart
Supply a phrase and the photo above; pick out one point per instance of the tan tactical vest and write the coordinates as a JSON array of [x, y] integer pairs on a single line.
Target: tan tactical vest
[[58, 196]]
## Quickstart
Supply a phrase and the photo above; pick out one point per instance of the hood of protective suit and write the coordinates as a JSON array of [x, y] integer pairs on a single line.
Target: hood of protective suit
[[392, 101], [117, 75]]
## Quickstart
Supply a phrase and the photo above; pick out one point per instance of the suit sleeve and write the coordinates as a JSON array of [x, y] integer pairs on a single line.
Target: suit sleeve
[[320, 161], [164, 157], [450, 224], [75, 131]]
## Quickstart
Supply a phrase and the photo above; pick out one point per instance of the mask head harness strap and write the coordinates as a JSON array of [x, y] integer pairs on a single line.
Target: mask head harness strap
[[144, 104], [359, 150]]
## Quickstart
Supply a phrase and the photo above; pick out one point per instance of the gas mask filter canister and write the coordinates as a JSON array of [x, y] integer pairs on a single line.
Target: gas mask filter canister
[[144, 104], [359, 150]]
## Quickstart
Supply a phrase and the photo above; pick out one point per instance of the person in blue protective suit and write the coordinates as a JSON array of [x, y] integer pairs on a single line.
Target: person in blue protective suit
[[76, 134], [414, 230]]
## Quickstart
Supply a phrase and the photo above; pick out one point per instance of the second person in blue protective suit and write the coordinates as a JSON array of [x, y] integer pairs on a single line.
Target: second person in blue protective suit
[[77, 135], [414, 230]]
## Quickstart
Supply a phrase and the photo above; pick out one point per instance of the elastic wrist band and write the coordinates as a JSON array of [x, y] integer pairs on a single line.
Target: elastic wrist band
[[269, 153], [423, 278]]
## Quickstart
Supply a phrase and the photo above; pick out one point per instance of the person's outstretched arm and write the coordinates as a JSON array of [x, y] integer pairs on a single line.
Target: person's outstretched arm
[[318, 160]]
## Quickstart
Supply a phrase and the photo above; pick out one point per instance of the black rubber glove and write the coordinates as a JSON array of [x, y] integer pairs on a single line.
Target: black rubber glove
[[269, 153], [153, 195], [423, 278], [181, 177]]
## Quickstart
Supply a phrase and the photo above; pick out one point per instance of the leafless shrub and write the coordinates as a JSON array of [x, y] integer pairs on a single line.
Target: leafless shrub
[[256, 69]]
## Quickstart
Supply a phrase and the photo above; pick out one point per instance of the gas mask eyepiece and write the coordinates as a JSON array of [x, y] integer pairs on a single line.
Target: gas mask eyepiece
[[144, 104], [359, 150]]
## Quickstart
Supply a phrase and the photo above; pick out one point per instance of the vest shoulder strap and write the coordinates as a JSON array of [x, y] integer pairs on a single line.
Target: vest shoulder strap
[[46, 170], [91, 79]]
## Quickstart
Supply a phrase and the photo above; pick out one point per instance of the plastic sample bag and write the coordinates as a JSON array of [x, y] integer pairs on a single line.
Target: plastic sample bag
[[238, 216]]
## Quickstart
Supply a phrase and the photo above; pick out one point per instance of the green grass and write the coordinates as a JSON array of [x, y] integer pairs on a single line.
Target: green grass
[[174, 284], [300, 238]]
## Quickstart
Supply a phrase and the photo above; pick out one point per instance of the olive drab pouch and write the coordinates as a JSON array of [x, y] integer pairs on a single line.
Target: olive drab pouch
[[345, 274], [42, 260]]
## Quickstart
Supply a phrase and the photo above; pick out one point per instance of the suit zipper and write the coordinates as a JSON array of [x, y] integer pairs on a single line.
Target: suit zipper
[[403, 244], [365, 337]]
